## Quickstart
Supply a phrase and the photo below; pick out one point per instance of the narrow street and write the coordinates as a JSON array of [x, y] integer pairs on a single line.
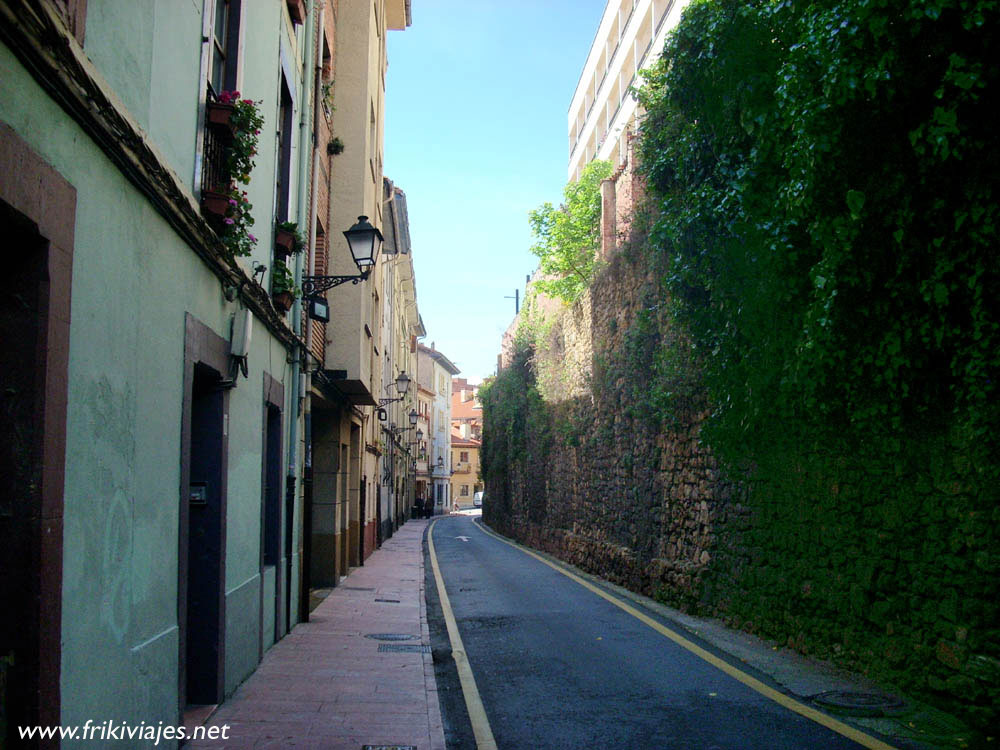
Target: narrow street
[[557, 666]]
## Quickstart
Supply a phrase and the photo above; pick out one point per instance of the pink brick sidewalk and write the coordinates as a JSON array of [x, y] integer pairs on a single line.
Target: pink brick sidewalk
[[327, 686]]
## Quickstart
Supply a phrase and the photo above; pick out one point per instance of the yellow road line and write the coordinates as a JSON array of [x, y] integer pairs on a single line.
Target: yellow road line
[[473, 703], [767, 691]]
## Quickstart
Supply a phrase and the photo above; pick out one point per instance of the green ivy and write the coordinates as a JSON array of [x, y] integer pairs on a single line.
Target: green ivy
[[825, 179]]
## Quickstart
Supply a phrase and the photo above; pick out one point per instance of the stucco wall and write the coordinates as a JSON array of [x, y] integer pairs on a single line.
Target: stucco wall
[[134, 280]]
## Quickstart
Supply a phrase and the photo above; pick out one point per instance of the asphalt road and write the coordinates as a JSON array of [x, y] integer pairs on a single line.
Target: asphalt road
[[559, 667]]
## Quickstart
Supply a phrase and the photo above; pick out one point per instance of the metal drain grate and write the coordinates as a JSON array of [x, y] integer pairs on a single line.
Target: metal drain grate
[[358, 588], [390, 637], [389, 601], [859, 704], [409, 648], [388, 747]]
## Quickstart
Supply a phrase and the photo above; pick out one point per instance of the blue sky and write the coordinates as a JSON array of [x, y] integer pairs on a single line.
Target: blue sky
[[475, 134]]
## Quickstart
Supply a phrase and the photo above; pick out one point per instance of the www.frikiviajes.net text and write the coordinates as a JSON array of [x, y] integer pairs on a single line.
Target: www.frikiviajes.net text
[[122, 730]]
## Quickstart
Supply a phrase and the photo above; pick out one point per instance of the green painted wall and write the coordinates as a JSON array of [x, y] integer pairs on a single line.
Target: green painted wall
[[133, 282]]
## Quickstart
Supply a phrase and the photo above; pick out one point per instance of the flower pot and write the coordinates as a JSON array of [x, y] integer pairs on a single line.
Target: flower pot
[[283, 301], [284, 242], [214, 204], [218, 113]]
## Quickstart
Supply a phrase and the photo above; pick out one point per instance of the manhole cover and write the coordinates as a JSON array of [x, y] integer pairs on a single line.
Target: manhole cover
[[859, 704], [410, 648], [388, 601], [390, 637]]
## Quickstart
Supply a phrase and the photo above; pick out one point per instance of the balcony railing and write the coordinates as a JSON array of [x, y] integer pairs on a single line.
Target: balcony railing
[[213, 174]]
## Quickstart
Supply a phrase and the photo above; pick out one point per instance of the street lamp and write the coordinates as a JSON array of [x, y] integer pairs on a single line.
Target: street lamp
[[402, 383], [364, 241], [413, 417]]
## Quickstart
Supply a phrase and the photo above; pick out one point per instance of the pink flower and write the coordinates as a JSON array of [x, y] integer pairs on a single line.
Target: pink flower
[[252, 238], [229, 221], [232, 202]]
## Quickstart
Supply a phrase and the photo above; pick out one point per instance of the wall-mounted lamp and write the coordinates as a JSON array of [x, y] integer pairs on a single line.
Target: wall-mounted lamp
[[413, 417], [232, 292], [364, 241], [402, 384]]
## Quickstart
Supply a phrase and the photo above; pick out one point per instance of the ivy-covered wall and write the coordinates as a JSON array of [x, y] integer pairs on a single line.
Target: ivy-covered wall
[[779, 404], [878, 553]]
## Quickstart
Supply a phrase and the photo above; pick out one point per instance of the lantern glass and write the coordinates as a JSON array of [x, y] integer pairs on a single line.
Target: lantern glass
[[364, 240], [413, 417], [403, 385], [420, 434]]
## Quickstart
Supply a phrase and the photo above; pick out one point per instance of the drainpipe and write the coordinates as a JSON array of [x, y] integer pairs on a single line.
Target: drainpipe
[[293, 423], [317, 70]]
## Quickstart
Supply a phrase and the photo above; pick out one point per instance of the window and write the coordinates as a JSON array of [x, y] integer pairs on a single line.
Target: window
[[463, 457], [225, 41], [464, 490], [285, 151]]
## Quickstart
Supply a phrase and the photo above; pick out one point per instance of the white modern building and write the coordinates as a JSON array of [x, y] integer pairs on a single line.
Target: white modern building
[[630, 37], [434, 373]]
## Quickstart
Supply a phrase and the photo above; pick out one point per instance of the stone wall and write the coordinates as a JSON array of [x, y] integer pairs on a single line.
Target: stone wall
[[881, 554]]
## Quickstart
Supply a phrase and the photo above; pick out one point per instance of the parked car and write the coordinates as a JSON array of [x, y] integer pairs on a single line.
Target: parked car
[[477, 500]]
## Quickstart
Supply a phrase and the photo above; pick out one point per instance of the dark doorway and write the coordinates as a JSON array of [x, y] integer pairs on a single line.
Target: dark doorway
[[21, 311], [203, 622], [272, 512], [37, 218], [361, 524]]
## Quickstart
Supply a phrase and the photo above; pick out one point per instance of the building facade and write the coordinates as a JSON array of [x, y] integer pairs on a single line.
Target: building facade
[[602, 112], [189, 452], [152, 538], [435, 371], [465, 480], [466, 410], [352, 482]]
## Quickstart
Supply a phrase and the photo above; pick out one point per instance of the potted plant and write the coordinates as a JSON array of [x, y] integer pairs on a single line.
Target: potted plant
[[287, 238], [335, 146], [229, 212], [226, 206], [326, 98], [283, 289]]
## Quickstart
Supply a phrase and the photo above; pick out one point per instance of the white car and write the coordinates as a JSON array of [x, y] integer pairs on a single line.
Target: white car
[[477, 500]]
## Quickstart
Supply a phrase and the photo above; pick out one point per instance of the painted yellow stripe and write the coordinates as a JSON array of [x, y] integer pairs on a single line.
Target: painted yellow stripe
[[767, 691], [473, 703]]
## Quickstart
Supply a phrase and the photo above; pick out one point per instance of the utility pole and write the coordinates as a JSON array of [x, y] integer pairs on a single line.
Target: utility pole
[[517, 300]]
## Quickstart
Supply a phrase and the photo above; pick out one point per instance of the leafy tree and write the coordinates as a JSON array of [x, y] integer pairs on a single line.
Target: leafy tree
[[568, 238]]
